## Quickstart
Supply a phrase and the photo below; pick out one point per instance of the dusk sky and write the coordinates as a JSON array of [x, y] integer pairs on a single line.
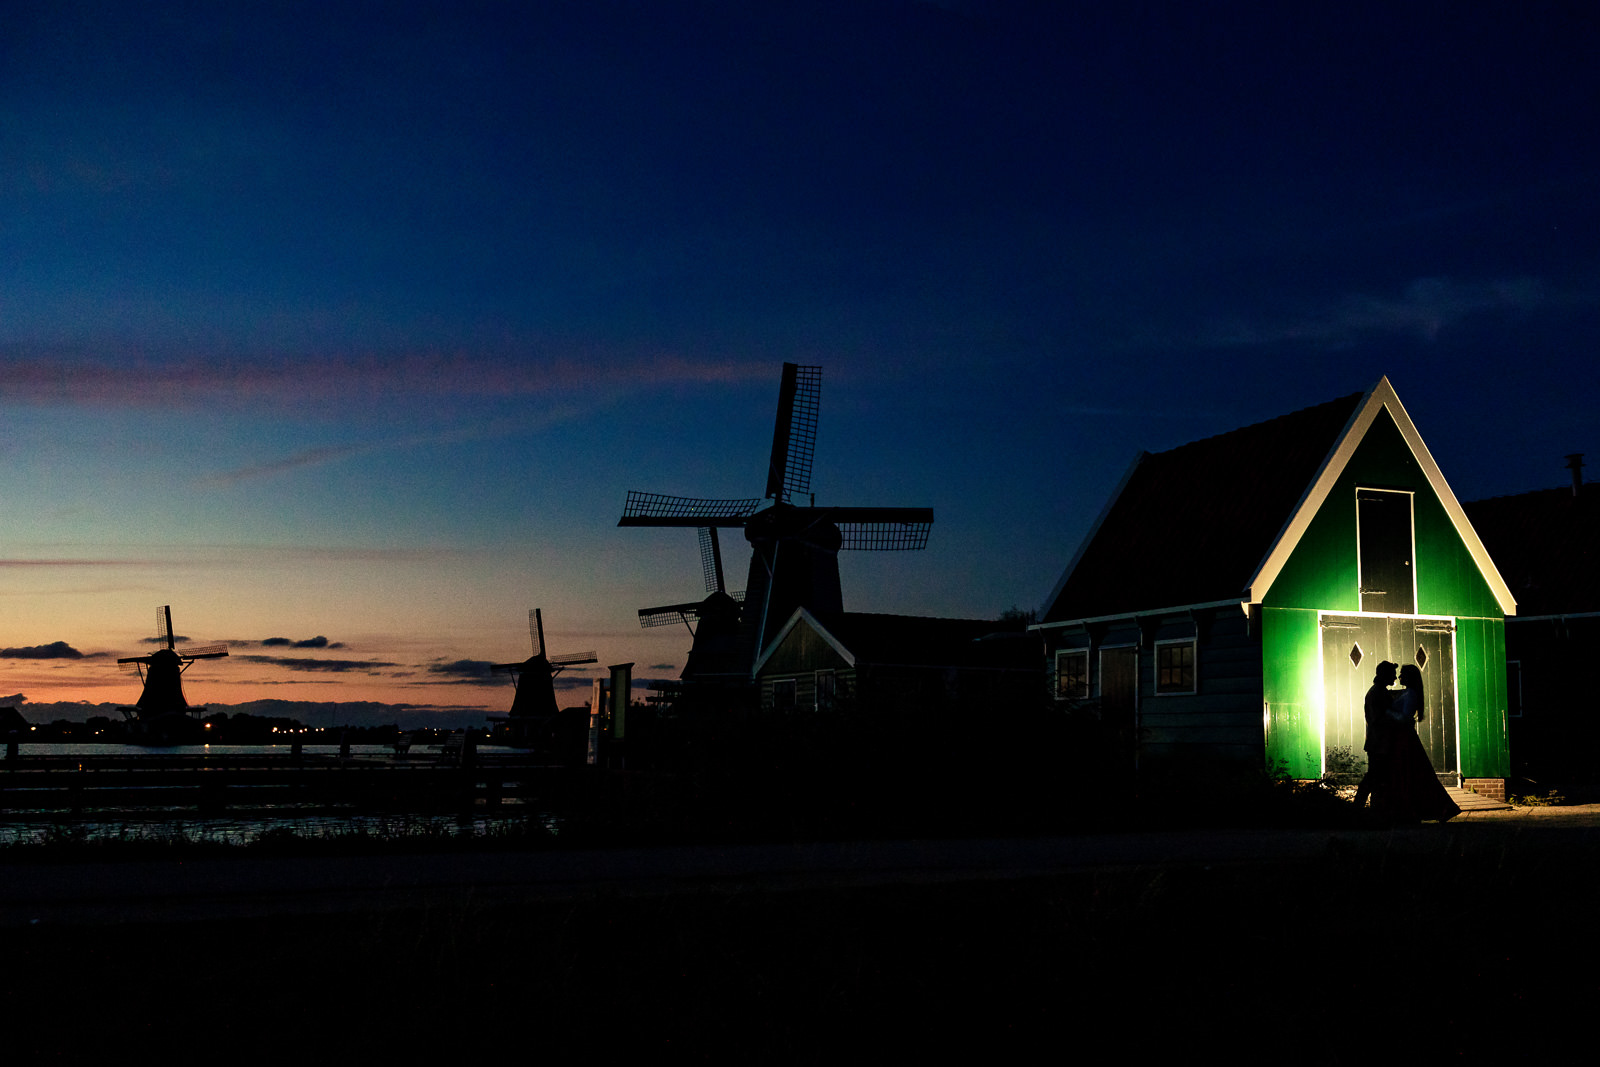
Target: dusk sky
[[351, 325]]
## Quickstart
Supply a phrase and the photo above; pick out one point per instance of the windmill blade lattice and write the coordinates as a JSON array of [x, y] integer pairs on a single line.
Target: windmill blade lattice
[[885, 529], [657, 509], [536, 631], [668, 615], [794, 435], [711, 559], [794, 544]]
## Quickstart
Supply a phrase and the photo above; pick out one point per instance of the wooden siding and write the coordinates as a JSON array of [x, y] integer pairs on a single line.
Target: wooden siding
[[910, 693], [805, 689], [1322, 574], [1481, 698], [1292, 690], [1222, 718], [803, 650]]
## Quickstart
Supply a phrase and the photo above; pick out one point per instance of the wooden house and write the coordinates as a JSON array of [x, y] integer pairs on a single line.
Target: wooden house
[[1547, 545], [1230, 603], [897, 667]]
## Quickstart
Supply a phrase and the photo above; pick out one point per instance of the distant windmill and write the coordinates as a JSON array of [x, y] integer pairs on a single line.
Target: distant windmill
[[162, 703], [534, 678], [794, 547], [716, 589]]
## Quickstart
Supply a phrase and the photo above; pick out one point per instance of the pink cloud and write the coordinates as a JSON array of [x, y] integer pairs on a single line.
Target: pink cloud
[[126, 379]]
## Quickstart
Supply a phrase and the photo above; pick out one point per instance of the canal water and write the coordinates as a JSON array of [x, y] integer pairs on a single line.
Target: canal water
[[26, 749], [244, 826]]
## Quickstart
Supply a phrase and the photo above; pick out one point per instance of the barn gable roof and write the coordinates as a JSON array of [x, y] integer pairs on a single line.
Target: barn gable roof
[[1216, 520], [911, 640]]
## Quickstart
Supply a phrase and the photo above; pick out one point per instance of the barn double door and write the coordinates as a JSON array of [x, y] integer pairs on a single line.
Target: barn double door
[[1352, 648]]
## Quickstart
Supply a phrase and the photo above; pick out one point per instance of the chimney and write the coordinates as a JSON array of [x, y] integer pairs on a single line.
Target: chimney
[[1575, 464]]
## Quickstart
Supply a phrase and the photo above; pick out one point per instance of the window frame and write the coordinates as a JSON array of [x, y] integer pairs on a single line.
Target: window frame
[[817, 695], [1061, 654], [1161, 647]]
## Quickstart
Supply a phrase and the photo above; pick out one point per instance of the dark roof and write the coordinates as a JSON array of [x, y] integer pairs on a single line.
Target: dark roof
[[1546, 545], [1191, 524], [916, 640]]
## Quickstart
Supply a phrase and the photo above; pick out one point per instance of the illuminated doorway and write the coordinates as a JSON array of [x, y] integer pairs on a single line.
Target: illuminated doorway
[[1352, 648]]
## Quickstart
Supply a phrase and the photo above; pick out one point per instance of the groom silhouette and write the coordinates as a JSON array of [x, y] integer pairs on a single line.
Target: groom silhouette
[[1380, 736]]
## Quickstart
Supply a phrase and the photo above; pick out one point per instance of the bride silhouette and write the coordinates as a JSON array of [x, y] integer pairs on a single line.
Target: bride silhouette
[[1414, 791]]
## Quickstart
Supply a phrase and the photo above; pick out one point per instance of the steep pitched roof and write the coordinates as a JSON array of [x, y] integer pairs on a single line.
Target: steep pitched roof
[[1190, 525], [1217, 519], [915, 640], [1547, 544]]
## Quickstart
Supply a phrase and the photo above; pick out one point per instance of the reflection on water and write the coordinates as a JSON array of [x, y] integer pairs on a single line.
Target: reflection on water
[[243, 825], [26, 749], [248, 829]]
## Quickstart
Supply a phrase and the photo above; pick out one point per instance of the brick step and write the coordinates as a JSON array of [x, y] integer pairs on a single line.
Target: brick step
[[1467, 800]]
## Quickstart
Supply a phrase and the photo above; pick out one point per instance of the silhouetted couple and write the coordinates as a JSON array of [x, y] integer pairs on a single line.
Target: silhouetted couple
[[1400, 778]]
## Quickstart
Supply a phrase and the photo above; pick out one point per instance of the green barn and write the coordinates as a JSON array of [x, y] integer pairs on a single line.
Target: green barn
[[1231, 601]]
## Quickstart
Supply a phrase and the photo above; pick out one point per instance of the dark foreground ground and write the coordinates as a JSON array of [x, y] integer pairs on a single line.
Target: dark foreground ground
[[1473, 940]]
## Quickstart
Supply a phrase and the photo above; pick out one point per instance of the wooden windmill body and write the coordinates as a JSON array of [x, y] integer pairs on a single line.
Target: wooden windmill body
[[533, 709], [794, 543], [162, 712]]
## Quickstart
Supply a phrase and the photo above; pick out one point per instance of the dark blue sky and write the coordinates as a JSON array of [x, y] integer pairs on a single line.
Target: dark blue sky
[[446, 280]]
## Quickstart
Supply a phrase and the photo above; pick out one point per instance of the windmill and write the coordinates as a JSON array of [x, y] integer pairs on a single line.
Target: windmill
[[534, 678], [161, 705], [795, 546]]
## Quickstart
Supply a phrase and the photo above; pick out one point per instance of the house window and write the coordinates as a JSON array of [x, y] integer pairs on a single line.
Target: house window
[[1072, 674], [824, 690], [1175, 667], [783, 693]]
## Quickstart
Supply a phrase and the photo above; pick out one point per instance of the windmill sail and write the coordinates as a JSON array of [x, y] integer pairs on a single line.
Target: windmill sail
[[534, 704], [794, 546], [162, 701], [656, 509], [794, 435]]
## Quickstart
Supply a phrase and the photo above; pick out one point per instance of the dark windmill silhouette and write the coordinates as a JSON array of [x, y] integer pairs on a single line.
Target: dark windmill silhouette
[[534, 706], [794, 543], [162, 710], [721, 646]]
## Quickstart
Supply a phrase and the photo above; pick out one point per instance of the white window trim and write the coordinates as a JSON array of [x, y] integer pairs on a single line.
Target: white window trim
[[1411, 500], [1155, 668], [1084, 652]]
